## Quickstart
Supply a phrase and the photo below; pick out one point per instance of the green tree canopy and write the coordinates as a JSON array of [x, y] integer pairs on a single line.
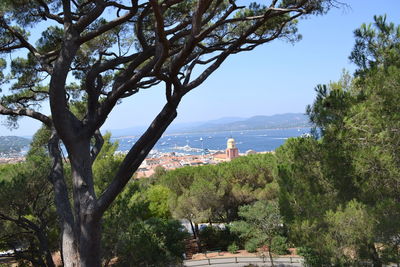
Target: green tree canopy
[[27, 216], [261, 223], [214, 193], [356, 159]]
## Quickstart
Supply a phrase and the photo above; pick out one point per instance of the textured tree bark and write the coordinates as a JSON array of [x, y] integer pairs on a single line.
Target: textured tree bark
[[87, 220], [89, 245], [69, 253], [83, 250]]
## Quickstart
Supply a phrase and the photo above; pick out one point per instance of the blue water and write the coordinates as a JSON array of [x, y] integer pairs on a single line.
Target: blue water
[[257, 140]]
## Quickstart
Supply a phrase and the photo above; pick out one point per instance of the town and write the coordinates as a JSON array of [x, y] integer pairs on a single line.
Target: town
[[173, 160]]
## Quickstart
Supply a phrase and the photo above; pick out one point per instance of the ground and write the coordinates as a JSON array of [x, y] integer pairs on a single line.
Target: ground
[[240, 253]]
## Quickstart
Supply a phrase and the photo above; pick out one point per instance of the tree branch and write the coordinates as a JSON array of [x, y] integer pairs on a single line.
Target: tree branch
[[26, 44], [95, 13], [19, 36], [235, 47], [61, 198], [139, 28], [46, 13], [106, 27], [99, 141], [191, 41], [26, 112], [162, 44], [123, 83], [138, 153], [67, 13]]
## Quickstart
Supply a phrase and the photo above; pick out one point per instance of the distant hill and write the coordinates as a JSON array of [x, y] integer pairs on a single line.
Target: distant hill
[[288, 120], [13, 144], [174, 127]]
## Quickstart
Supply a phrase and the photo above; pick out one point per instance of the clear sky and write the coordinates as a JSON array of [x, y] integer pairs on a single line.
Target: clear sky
[[276, 78]]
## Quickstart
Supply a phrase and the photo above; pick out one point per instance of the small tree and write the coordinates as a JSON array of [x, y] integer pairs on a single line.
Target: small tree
[[91, 54], [28, 219], [261, 223], [349, 233]]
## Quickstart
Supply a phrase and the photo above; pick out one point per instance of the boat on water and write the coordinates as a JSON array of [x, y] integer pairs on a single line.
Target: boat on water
[[188, 148]]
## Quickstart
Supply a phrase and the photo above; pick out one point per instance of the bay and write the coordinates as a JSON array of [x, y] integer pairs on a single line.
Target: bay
[[196, 143]]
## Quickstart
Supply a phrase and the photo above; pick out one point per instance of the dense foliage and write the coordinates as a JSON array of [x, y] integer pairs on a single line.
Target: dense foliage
[[213, 193], [27, 216], [339, 194]]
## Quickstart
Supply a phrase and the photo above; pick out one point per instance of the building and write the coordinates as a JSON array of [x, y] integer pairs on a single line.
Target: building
[[231, 150]]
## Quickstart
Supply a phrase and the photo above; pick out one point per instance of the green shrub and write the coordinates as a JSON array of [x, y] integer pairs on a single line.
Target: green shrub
[[279, 245], [154, 242], [233, 248], [311, 258], [251, 246], [214, 238]]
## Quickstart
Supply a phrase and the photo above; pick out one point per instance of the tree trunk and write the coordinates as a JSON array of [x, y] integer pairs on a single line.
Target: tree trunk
[[89, 243], [81, 231], [69, 253], [87, 222], [196, 228], [44, 248], [82, 224], [374, 255], [270, 255], [193, 230], [82, 249]]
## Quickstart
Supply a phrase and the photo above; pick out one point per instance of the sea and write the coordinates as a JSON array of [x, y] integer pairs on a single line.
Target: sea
[[208, 142]]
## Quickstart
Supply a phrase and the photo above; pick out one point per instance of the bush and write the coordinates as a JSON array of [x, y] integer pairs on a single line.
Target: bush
[[251, 246], [233, 248], [154, 242], [279, 245], [214, 238], [311, 258]]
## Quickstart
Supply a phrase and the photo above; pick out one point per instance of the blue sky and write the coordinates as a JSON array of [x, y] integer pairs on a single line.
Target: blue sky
[[276, 78]]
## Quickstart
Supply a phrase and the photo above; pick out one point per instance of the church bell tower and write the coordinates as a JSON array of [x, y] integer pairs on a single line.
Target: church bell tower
[[231, 149]]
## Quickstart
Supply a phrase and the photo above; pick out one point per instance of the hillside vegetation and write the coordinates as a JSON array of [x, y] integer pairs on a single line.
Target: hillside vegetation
[[12, 144]]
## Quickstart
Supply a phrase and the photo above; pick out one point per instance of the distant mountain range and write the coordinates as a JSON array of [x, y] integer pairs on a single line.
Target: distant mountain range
[[288, 120], [13, 144], [174, 127]]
